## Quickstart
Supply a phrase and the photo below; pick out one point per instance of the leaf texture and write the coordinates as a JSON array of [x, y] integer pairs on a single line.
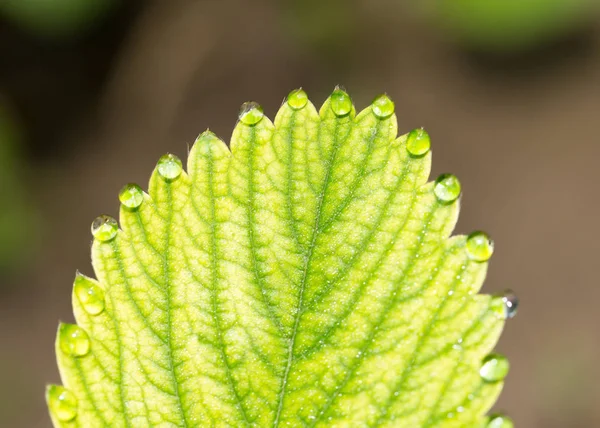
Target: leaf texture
[[304, 276]]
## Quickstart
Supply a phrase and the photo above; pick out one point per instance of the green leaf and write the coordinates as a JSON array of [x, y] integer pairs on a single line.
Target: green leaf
[[305, 277]]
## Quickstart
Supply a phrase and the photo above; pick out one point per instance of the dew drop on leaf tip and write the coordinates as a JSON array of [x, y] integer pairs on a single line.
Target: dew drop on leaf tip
[[251, 113], [510, 301], [447, 188], [131, 196], [494, 368], [479, 246], [383, 107], [418, 142], [104, 228], [73, 340], [62, 403], [297, 99], [341, 103], [499, 420], [169, 167], [90, 296]]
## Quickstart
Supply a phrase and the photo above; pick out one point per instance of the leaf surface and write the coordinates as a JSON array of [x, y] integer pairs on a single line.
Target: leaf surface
[[304, 276]]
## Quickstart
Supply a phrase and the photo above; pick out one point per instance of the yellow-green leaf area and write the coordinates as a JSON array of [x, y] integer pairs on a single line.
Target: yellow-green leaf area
[[302, 276]]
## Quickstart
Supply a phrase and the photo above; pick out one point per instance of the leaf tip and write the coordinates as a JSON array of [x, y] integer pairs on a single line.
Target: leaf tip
[[494, 368], [418, 142], [131, 196], [340, 102], [507, 302], [73, 340], [297, 99], [498, 420], [383, 106], [251, 113], [89, 294], [62, 403], [169, 167], [104, 228], [447, 188], [480, 246]]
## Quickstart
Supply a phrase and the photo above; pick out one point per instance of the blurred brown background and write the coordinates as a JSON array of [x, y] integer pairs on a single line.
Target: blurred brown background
[[93, 93]]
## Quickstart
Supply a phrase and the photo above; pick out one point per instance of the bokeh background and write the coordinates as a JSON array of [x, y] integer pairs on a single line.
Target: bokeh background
[[92, 92]]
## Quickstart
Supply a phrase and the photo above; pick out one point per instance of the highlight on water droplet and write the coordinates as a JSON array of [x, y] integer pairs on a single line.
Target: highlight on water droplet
[[498, 420], [251, 113], [341, 103], [447, 188], [418, 142], [131, 196], [297, 99], [169, 167], [104, 228], [383, 106], [494, 368], [89, 294], [73, 340], [510, 302], [62, 402], [479, 246]]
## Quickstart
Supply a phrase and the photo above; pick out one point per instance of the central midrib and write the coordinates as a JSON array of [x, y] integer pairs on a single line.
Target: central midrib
[[214, 284], [170, 309], [305, 273]]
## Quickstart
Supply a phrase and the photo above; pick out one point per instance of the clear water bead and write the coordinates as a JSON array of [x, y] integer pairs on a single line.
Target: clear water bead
[[341, 103], [90, 295], [131, 196], [499, 420], [494, 368], [479, 246], [104, 228], [510, 302], [447, 188], [251, 113], [62, 403], [383, 107], [418, 142], [169, 167], [297, 99], [73, 340]]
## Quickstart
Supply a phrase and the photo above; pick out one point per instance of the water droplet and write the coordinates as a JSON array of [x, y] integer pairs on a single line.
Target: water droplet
[[383, 106], [341, 103], [131, 196], [479, 246], [62, 402], [510, 302], [73, 340], [494, 368], [418, 142], [90, 295], [447, 188], [251, 113], [104, 228], [169, 167], [297, 99], [498, 420]]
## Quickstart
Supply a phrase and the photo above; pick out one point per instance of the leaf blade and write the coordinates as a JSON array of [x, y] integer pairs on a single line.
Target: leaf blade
[[306, 277]]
